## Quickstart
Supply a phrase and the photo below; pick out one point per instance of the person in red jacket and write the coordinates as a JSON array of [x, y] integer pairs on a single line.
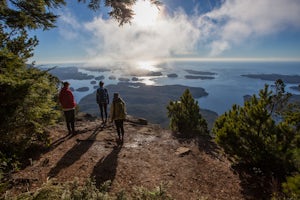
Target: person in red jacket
[[68, 104]]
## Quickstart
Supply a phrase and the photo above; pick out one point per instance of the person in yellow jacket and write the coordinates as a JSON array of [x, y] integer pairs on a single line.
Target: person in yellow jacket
[[118, 114]]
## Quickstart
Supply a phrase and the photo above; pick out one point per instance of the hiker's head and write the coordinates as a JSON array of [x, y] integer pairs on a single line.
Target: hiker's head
[[101, 83], [66, 84], [116, 95]]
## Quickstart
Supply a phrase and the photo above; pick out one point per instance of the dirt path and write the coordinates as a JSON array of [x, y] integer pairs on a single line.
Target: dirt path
[[149, 157]]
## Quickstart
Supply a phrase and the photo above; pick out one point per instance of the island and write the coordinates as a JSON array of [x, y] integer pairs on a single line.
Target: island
[[293, 79], [147, 102], [97, 69], [98, 78], [64, 73], [112, 77], [154, 74], [82, 89], [199, 77], [135, 79], [190, 71], [199, 74], [124, 79], [172, 75]]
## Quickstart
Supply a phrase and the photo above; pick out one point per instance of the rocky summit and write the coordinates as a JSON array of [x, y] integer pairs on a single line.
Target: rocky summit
[[148, 157]]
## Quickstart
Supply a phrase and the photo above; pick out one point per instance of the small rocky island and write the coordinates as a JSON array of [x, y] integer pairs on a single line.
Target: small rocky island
[[98, 78], [199, 75], [135, 79], [190, 71], [112, 77], [172, 75], [83, 89], [154, 74], [124, 79]]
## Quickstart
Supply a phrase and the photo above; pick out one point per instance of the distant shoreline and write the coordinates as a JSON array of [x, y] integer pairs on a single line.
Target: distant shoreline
[[72, 72], [219, 77], [293, 79]]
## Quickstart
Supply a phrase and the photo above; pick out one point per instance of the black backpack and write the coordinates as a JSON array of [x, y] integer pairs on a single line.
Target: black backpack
[[102, 95]]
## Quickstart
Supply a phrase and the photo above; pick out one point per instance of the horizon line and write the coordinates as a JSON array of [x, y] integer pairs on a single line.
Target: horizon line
[[184, 59]]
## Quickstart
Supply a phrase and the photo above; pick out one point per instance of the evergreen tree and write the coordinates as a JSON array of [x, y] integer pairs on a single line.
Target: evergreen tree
[[291, 116], [28, 95], [121, 9], [263, 133], [185, 115]]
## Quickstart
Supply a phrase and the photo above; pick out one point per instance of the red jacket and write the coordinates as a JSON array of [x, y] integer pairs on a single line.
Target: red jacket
[[66, 98]]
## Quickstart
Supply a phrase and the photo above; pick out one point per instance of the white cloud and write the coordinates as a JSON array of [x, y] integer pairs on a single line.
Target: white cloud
[[233, 23], [218, 47], [69, 27], [168, 36], [239, 20]]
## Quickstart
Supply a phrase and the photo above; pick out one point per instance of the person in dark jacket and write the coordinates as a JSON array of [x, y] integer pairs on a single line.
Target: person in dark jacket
[[102, 99], [118, 115], [68, 104]]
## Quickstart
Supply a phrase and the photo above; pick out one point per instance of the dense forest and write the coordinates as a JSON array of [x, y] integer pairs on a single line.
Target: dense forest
[[263, 134]]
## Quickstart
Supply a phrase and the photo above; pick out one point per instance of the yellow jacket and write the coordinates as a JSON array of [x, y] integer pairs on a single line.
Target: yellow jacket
[[117, 109]]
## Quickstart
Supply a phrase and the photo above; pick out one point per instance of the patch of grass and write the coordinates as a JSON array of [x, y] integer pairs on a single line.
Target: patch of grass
[[66, 191], [159, 193], [88, 191]]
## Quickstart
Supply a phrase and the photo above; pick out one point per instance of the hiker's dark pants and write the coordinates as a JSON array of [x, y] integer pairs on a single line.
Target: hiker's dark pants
[[70, 119], [103, 107], [120, 128]]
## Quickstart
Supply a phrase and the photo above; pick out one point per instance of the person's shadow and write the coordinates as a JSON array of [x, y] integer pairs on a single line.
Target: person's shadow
[[106, 168], [74, 153]]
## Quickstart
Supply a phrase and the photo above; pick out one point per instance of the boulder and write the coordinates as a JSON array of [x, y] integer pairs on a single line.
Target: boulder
[[181, 151]]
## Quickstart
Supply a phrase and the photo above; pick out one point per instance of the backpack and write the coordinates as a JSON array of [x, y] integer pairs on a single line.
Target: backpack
[[102, 95]]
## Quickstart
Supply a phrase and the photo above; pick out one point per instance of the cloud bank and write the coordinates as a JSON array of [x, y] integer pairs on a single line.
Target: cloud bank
[[232, 24], [237, 21], [168, 36]]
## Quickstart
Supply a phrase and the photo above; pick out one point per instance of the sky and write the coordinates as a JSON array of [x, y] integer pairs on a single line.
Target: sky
[[176, 30]]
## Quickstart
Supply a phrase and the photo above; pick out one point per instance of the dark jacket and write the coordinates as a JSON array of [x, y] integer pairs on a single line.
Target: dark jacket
[[102, 96]]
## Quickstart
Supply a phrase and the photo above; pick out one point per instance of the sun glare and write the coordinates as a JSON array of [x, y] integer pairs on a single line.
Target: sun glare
[[147, 65], [146, 14]]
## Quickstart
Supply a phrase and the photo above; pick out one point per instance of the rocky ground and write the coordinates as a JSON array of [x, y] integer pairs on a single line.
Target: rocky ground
[[149, 156]]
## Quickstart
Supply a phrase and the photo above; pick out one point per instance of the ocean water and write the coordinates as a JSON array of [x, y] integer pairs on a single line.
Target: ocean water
[[226, 88]]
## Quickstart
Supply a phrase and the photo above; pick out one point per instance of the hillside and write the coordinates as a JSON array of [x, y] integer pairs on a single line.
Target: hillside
[[149, 157], [148, 102]]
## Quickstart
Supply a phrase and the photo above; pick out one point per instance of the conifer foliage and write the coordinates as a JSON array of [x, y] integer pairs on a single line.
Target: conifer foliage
[[264, 133], [185, 116], [121, 9], [28, 95]]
